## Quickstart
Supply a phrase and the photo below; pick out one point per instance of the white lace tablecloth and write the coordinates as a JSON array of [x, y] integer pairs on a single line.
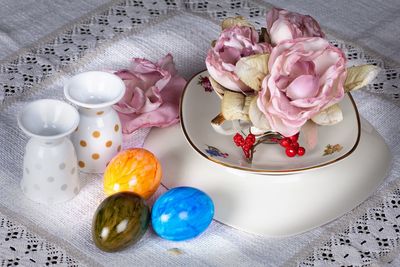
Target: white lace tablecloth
[[106, 39]]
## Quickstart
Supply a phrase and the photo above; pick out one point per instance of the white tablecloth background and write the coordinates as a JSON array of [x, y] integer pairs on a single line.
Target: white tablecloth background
[[374, 25]]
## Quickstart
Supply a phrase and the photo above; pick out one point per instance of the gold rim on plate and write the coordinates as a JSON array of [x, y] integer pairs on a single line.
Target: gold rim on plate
[[251, 170]]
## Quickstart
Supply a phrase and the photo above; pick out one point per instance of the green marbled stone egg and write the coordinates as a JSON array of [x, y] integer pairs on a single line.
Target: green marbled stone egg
[[119, 221]]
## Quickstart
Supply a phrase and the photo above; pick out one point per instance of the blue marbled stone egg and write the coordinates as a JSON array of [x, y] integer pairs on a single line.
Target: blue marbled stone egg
[[182, 213]]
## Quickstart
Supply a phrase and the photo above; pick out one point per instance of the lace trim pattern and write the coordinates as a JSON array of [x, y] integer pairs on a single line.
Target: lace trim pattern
[[28, 69], [372, 238], [19, 246]]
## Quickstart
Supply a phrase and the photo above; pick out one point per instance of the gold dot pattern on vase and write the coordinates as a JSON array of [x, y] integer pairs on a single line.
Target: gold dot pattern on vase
[[109, 143], [81, 164], [116, 127], [96, 134], [95, 156], [83, 143], [99, 112]]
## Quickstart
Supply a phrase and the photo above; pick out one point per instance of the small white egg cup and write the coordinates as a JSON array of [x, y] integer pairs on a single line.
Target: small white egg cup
[[98, 137], [50, 170]]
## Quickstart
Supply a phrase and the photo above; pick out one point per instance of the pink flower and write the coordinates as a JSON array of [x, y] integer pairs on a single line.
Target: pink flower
[[152, 94], [233, 44], [284, 25], [306, 76]]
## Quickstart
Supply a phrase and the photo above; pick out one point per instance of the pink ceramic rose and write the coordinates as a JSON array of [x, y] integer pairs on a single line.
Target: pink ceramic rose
[[306, 76], [284, 25], [152, 94], [233, 44]]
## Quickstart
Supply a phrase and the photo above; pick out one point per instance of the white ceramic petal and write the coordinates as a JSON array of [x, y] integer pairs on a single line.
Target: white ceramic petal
[[252, 70], [233, 106], [219, 89], [236, 21], [257, 117], [329, 116], [359, 76]]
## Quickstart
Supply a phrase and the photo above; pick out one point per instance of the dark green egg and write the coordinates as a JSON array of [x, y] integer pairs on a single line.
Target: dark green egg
[[120, 220]]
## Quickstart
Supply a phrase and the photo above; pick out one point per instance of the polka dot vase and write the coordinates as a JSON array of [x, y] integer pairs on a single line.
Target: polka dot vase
[[98, 137], [50, 169]]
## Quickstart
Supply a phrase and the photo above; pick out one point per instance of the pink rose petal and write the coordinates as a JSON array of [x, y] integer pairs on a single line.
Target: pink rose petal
[[284, 25], [153, 91], [233, 44], [306, 75], [304, 86]]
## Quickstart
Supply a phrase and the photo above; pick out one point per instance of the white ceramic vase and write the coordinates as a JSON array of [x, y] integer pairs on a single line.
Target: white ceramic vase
[[50, 171], [98, 137]]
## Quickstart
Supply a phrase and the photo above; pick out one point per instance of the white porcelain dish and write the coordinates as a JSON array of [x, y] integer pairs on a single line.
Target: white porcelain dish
[[275, 205], [199, 107]]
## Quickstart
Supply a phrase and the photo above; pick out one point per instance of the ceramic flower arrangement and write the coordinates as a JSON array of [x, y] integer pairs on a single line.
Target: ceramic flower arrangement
[[284, 80]]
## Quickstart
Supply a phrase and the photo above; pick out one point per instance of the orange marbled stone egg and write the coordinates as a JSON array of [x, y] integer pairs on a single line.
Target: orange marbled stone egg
[[135, 170]]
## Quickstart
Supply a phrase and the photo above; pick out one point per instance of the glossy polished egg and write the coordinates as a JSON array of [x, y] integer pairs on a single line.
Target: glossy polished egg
[[119, 221], [182, 213], [136, 170]]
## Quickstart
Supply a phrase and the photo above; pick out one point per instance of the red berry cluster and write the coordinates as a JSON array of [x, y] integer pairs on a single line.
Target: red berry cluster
[[292, 146], [246, 144]]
